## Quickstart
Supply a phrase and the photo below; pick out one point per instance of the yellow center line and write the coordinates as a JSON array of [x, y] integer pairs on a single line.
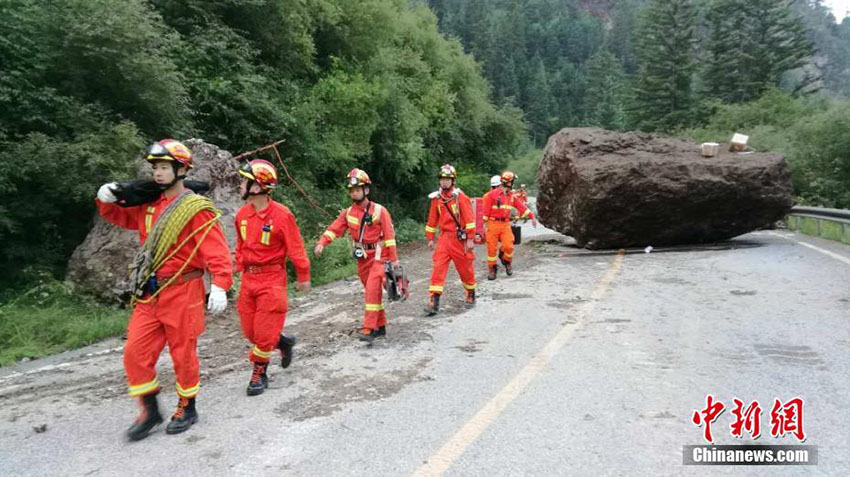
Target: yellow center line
[[472, 430]]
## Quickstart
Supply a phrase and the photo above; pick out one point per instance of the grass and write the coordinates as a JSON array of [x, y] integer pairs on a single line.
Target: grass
[[336, 261], [50, 318]]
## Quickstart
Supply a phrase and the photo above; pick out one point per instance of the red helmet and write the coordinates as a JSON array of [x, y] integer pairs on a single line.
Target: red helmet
[[170, 150], [260, 171], [508, 178], [357, 178]]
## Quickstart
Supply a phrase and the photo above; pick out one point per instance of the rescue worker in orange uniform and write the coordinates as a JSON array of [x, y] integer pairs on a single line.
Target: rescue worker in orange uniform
[[169, 305], [498, 204], [450, 214], [495, 182], [371, 227], [266, 235], [522, 195]]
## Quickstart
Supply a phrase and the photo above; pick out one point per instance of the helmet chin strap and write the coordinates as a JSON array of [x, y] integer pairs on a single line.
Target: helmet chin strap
[[174, 167], [365, 196], [248, 192]]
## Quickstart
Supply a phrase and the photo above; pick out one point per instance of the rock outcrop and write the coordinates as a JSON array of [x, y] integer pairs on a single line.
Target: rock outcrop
[[99, 265]]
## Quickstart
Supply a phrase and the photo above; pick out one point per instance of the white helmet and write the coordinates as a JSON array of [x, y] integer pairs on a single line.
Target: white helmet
[[495, 181]]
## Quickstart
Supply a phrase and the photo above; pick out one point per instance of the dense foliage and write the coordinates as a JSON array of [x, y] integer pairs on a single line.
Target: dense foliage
[[676, 58], [370, 83]]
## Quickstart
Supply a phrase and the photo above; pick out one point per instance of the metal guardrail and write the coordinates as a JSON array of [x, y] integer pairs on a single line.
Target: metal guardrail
[[832, 224], [821, 212]]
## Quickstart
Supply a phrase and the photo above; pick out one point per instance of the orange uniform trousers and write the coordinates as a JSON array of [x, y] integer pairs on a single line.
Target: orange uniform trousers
[[499, 231], [262, 306], [371, 273], [450, 249], [176, 317]]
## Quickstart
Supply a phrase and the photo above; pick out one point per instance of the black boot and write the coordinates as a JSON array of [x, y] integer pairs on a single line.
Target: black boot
[[148, 419], [492, 274], [381, 332], [259, 381], [368, 335], [470, 298], [433, 304], [285, 345], [508, 269], [185, 416]]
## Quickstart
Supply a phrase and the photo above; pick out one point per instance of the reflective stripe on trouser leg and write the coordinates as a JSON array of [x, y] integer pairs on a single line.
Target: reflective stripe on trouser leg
[[144, 388], [145, 341], [373, 293], [495, 232], [189, 392], [464, 261], [507, 238], [182, 313], [440, 260], [270, 304]]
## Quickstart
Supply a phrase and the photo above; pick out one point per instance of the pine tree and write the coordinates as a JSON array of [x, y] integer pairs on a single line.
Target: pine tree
[[507, 83], [538, 104], [568, 93], [664, 98], [621, 36], [604, 95], [751, 44]]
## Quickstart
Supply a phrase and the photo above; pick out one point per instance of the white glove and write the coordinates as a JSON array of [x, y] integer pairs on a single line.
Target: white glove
[[105, 193], [218, 300]]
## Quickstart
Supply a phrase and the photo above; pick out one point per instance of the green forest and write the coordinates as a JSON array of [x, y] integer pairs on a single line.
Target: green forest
[[778, 70], [396, 87]]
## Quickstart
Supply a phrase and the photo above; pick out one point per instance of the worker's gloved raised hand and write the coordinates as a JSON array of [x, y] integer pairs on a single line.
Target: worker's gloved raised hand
[[105, 193], [217, 301]]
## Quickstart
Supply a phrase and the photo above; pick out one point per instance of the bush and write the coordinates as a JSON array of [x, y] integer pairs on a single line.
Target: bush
[[409, 230], [525, 167], [810, 132], [820, 157], [370, 84]]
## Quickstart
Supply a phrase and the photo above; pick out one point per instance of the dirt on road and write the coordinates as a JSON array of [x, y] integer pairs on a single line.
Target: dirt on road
[[325, 322]]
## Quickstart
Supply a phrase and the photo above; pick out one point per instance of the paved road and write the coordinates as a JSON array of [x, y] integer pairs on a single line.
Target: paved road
[[582, 363]]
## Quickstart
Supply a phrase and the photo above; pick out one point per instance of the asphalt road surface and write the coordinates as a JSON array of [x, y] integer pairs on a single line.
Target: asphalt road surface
[[581, 364]]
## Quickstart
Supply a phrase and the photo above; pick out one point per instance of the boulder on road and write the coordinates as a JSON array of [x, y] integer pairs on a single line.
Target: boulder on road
[[611, 190]]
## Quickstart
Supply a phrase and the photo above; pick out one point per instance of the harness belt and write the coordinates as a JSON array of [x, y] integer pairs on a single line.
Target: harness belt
[[262, 268], [184, 277]]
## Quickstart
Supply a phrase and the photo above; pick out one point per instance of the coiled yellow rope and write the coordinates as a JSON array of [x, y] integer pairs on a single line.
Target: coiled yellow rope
[[165, 235]]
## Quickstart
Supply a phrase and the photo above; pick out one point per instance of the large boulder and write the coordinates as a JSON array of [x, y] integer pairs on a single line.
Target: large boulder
[[612, 190], [99, 265]]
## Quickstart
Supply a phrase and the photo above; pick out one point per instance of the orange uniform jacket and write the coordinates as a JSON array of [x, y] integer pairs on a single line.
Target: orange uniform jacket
[[440, 219], [213, 255], [268, 237], [521, 196], [498, 205], [379, 231]]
